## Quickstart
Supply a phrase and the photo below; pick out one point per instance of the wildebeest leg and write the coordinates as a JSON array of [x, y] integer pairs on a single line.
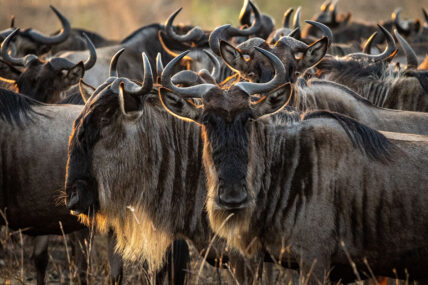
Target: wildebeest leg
[[115, 260], [177, 257], [40, 254], [80, 241]]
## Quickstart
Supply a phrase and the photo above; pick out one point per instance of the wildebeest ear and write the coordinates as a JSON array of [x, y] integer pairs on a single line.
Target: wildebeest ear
[[313, 54], [273, 102], [231, 55], [86, 90], [75, 73], [179, 107]]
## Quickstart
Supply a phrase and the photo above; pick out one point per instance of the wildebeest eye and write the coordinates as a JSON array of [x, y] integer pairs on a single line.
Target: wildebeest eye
[[104, 121], [246, 57]]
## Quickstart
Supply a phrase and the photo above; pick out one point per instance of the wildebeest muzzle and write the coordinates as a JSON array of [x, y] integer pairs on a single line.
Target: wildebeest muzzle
[[232, 196], [82, 198]]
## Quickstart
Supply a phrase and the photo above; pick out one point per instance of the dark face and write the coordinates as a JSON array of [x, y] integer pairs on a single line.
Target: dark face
[[226, 135], [41, 81], [81, 186]]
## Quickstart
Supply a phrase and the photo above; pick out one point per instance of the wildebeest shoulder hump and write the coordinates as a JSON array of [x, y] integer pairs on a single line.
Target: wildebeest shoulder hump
[[371, 142]]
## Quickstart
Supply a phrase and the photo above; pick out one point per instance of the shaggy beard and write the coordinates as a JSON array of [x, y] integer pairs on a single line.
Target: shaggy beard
[[236, 229], [138, 240]]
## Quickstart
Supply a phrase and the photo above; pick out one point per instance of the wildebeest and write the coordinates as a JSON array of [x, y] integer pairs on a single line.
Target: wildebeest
[[378, 82], [327, 95], [33, 158], [44, 80], [166, 199], [30, 41], [33, 145], [311, 187], [330, 96], [346, 30]]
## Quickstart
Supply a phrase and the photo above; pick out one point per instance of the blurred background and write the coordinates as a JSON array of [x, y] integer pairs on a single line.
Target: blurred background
[[115, 19]]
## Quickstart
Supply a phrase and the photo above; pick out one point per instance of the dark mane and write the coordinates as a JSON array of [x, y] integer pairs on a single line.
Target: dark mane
[[351, 67], [132, 35], [344, 89], [421, 75], [371, 142], [16, 108]]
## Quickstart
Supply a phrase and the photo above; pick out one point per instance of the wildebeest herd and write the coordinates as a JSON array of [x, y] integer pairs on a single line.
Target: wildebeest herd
[[302, 146]]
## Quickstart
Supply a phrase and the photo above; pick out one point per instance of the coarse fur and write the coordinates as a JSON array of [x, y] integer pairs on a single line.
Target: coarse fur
[[308, 184], [34, 135], [153, 199], [16, 108], [378, 82], [327, 95]]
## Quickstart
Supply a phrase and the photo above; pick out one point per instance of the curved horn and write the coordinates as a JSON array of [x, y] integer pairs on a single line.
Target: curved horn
[[90, 62], [396, 18], [368, 44], [333, 10], [425, 15], [20, 61], [324, 29], [245, 14], [254, 28], [296, 19], [215, 73], [159, 64], [148, 78], [277, 80], [286, 18], [12, 21], [296, 22], [60, 63], [131, 87], [194, 35], [113, 63], [389, 50], [56, 39], [215, 37], [325, 5], [186, 92], [412, 60], [227, 30]]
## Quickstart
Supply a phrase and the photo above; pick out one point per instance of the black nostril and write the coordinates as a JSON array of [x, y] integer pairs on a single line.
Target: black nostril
[[234, 196]]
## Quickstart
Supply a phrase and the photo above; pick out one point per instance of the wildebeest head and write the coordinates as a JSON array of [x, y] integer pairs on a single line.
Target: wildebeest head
[[294, 54], [287, 30], [101, 124], [226, 118], [405, 27], [30, 41], [45, 80], [328, 16], [247, 18]]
